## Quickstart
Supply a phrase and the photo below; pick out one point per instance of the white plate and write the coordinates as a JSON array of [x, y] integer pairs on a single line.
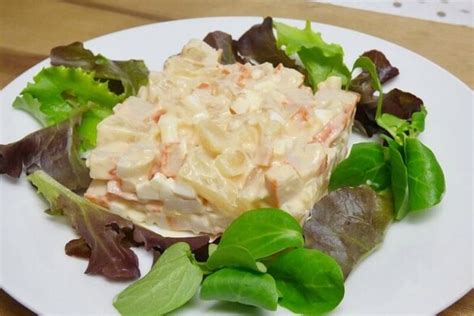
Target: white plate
[[424, 265]]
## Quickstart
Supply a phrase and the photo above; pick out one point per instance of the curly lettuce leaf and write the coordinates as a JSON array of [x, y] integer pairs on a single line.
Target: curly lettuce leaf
[[348, 224], [320, 59], [319, 67], [59, 93], [107, 235], [293, 39], [124, 77], [52, 149]]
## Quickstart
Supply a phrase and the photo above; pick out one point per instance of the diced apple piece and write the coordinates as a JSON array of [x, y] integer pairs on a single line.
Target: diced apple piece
[[245, 102], [114, 187], [254, 192], [173, 158], [307, 159], [168, 124], [162, 185], [146, 191], [103, 161], [184, 191], [283, 181]]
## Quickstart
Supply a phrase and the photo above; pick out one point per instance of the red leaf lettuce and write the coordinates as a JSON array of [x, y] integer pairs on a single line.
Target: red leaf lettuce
[[107, 235]]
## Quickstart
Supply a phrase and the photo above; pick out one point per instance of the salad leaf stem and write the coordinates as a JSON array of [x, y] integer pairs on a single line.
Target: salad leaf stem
[[367, 65]]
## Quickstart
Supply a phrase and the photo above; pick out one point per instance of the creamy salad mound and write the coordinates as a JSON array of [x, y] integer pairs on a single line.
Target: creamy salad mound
[[204, 142]]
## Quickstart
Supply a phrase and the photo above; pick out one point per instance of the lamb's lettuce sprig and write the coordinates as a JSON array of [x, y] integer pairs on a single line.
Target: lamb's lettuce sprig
[[274, 268], [415, 177]]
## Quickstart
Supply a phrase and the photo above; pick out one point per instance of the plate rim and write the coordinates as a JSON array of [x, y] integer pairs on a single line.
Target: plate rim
[[250, 18]]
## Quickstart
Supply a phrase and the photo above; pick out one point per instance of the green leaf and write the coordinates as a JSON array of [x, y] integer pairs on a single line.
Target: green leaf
[[365, 165], [310, 281], [211, 249], [367, 65], [395, 126], [320, 67], [399, 128], [245, 287], [263, 232], [32, 106], [399, 178], [87, 130], [59, 93], [320, 59], [417, 125], [233, 256], [425, 177], [293, 39], [173, 281]]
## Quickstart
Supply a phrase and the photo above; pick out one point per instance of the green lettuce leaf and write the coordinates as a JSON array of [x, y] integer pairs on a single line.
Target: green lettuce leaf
[[320, 59], [59, 93], [319, 67], [293, 39]]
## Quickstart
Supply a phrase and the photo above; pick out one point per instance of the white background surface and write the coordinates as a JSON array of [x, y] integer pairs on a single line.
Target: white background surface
[[445, 11], [424, 265]]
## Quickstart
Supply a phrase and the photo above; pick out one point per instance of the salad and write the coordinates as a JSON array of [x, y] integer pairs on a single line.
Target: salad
[[240, 140]]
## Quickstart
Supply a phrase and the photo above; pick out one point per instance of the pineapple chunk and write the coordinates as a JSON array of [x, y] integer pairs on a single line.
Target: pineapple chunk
[[213, 137], [200, 172], [135, 163], [232, 163], [130, 123]]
